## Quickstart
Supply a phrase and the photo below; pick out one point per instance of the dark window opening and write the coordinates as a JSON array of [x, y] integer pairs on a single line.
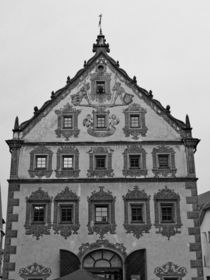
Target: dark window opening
[[136, 213], [101, 214], [38, 213], [100, 87], [100, 162], [41, 162], [167, 212], [67, 122], [66, 213], [101, 121], [134, 121], [67, 162], [134, 161], [163, 161]]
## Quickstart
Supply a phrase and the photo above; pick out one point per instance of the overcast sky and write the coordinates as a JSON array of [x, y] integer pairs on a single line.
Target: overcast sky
[[164, 43]]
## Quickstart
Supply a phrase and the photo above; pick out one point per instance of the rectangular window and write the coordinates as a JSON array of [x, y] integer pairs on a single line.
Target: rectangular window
[[100, 87], [101, 121], [100, 162], [41, 162], [163, 161], [67, 162], [167, 212], [134, 121], [101, 214], [137, 213], [38, 213], [67, 122], [134, 161], [66, 214]]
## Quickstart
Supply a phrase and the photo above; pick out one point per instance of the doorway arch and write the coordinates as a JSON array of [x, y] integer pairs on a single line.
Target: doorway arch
[[104, 263], [135, 264]]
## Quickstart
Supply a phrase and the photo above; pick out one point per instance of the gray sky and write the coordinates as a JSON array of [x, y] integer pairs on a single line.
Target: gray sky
[[165, 43]]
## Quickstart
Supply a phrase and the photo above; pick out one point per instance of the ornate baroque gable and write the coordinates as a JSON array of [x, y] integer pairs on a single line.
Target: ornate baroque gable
[[35, 271]]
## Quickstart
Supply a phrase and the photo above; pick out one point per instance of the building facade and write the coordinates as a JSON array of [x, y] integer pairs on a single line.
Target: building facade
[[204, 203], [103, 178]]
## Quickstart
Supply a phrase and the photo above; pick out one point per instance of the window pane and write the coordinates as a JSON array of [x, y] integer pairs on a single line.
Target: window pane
[[134, 161], [66, 213], [101, 121], [134, 121], [101, 214], [100, 87], [163, 161], [67, 122], [67, 161], [41, 161], [38, 213], [167, 212], [136, 213], [100, 162]]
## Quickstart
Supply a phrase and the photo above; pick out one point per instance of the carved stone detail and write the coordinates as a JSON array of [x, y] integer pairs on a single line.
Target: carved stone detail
[[167, 229], [67, 110], [34, 229], [134, 172], [66, 196], [110, 122], [108, 171], [33, 171], [170, 270], [103, 197], [137, 196], [135, 132], [88, 247], [172, 168], [35, 270], [66, 151]]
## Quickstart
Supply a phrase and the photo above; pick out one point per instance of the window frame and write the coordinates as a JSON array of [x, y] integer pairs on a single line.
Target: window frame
[[140, 205], [139, 166], [102, 205], [134, 115], [70, 206], [173, 214], [70, 116], [63, 161], [37, 156], [96, 158], [168, 161], [33, 205], [98, 84]]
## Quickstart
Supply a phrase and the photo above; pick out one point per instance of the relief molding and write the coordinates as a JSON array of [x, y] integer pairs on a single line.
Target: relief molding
[[67, 133], [69, 197], [170, 270], [38, 229], [134, 172], [65, 151], [167, 229], [35, 270], [137, 196], [171, 171], [98, 197]]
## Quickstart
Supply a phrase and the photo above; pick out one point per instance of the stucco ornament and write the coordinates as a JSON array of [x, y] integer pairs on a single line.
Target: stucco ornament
[[35, 270], [105, 244], [170, 269], [120, 92], [110, 122]]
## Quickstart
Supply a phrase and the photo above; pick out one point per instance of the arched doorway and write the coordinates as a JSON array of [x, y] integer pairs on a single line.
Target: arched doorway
[[69, 262], [135, 265], [104, 263]]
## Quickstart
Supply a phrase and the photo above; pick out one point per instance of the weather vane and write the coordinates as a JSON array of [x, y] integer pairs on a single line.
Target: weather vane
[[99, 24]]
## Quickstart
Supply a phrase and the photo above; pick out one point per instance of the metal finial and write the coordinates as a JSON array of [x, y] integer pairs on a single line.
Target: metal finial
[[99, 24]]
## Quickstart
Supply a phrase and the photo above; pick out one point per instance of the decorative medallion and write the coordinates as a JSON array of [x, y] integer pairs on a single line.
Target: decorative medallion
[[170, 270], [66, 197], [77, 98], [69, 128], [167, 196], [137, 197], [107, 200], [139, 128], [35, 271], [103, 244], [101, 124]]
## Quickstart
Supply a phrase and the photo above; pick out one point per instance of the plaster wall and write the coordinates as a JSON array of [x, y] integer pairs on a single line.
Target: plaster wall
[[159, 249]]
